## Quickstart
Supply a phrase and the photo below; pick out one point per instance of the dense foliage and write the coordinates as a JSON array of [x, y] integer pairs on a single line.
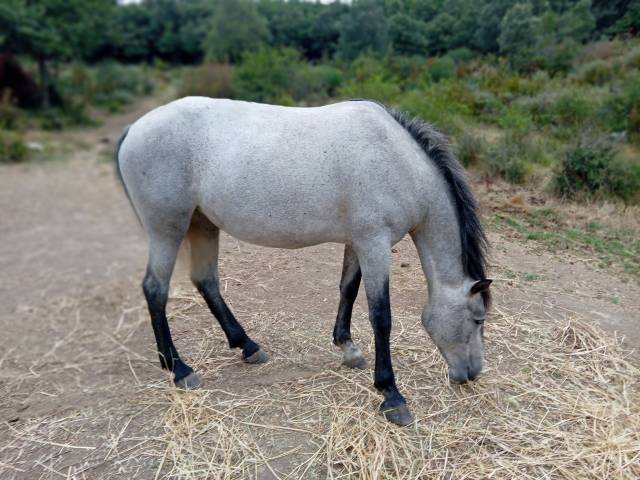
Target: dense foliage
[[516, 82], [184, 31]]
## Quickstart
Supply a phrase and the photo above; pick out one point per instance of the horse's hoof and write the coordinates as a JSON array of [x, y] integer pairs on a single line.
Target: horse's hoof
[[355, 362], [259, 357], [193, 381], [400, 414]]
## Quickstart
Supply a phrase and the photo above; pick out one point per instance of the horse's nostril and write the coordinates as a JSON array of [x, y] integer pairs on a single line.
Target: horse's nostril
[[474, 372], [458, 377]]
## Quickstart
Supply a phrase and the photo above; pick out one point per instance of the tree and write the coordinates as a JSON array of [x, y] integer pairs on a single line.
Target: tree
[[364, 28], [236, 27], [408, 36], [50, 30], [578, 22], [491, 15], [630, 22], [519, 35]]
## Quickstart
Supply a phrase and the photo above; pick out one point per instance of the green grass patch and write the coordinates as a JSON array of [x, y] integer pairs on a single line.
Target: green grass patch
[[619, 249]]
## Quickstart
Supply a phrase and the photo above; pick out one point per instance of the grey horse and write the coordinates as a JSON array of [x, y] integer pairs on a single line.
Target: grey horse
[[355, 173]]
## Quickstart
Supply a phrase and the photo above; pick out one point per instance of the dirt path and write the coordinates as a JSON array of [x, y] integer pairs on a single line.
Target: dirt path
[[76, 342]]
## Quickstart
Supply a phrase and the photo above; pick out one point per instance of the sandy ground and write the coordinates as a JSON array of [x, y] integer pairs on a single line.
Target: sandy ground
[[77, 347]]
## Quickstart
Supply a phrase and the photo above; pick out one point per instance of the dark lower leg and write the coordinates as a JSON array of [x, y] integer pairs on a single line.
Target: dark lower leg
[[156, 294], [236, 335], [349, 285], [384, 380]]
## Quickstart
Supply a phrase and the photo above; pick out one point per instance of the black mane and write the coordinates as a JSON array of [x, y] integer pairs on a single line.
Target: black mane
[[436, 145]]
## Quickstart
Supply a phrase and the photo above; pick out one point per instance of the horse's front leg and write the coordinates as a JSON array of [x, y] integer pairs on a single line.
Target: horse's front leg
[[374, 257]]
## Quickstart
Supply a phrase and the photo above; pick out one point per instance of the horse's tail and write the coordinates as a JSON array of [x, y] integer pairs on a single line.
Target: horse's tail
[[119, 172]]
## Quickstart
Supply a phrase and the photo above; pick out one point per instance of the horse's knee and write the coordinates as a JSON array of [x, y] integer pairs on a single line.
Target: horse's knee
[[154, 291]]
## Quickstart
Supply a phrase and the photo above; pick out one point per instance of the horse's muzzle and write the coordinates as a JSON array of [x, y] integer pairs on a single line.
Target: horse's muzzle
[[464, 374]]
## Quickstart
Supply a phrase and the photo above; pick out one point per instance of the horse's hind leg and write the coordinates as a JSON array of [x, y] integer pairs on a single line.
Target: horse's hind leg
[[163, 249], [349, 285], [204, 239]]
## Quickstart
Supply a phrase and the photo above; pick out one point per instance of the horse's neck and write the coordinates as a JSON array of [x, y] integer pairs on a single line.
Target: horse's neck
[[440, 251]]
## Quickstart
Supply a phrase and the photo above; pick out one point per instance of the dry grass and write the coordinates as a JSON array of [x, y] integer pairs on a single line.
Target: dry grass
[[555, 402]]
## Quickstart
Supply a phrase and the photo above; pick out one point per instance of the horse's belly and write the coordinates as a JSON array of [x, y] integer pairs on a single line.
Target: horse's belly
[[289, 221], [275, 231]]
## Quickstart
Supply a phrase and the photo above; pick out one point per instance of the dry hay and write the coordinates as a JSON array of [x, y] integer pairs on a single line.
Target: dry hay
[[555, 401]]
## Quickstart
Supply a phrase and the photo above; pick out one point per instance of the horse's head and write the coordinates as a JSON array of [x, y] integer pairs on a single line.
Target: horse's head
[[454, 319]]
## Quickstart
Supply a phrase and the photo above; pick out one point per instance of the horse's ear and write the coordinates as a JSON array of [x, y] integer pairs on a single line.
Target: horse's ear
[[481, 286]]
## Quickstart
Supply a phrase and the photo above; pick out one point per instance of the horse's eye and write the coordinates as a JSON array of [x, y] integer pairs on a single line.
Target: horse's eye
[[479, 321]]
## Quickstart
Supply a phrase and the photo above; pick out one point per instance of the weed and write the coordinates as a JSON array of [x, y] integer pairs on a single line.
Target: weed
[[12, 147]]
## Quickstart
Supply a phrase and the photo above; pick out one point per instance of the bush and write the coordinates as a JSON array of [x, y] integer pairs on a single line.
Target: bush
[[11, 117], [443, 104], [410, 71], [267, 75], [573, 108], [622, 110], [470, 149], [558, 57], [12, 147], [116, 85], [441, 68], [631, 59], [516, 117], [213, 80], [596, 72], [375, 88], [370, 78], [461, 54], [316, 83], [486, 104], [593, 167], [108, 85], [512, 158]]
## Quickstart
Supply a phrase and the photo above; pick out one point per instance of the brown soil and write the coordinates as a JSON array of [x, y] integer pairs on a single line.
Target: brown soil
[[77, 357]]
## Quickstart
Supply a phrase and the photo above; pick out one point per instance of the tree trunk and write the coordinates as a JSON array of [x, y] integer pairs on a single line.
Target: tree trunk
[[44, 82]]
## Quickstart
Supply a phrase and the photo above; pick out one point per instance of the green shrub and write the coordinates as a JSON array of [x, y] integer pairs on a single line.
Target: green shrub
[[267, 75], [409, 71], [470, 148], [516, 117], [631, 59], [487, 105], [624, 179], [573, 108], [117, 85], [107, 85], [596, 72], [622, 110], [512, 157], [376, 88], [558, 57], [11, 117], [12, 147], [316, 83], [461, 54], [593, 167], [441, 68], [213, 80], [442, 104]]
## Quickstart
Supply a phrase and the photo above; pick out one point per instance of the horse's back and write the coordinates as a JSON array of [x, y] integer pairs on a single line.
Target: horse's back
[[272, 175]]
